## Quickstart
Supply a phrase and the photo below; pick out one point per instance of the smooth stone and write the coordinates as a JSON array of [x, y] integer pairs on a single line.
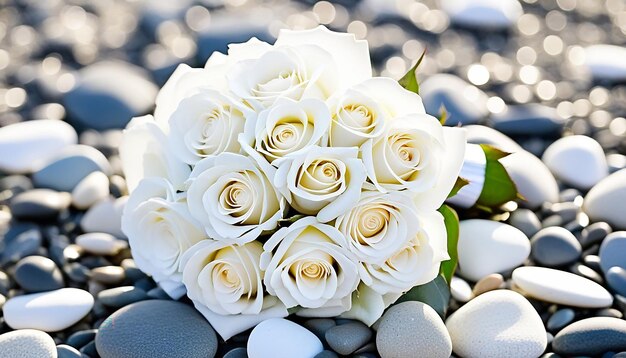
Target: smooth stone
[[591, 337], [560, 319], [99, 103], [39, 204], [325, 354], [528, 119], [464, 103], [587, 272], [577, 160], [81, 338], [605, 201], [609, 312], [555, 246], [65, 351], [498, 323], [48, 311], [485, 14], [20, 241], [594, 234], [93, 188], [319, 326], [121, 296], [460, 290], [31, 142], [38, 273], [347, 338], [108, 275], [488, 283], [533, 179], [64, 171], [105, 216], [156, 328], [525, 220], [478, 134], [487, 247], [100, 243], [561, 287], [605, 62], [412, 328], [613, 251], [616, 278], [237, 353], [89, 349], [28, 343], [280, 338]]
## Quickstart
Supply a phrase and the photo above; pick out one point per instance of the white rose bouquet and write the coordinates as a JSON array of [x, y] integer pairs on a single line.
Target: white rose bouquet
[[285, 178]]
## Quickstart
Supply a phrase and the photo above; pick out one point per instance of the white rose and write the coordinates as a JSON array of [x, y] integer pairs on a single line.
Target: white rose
[[321, 181], [207, 123], [225, 283], [233, 199], [307, 265], [160, 229], [360, 113], [143, 155]]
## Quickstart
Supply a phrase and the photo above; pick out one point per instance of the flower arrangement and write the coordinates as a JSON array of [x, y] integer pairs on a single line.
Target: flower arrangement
[[285, 178]]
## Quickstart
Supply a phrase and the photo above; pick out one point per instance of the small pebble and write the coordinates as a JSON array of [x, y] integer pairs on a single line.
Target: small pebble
[[616, 278], [121, 296], [594, 234], [612, 251], [555, 246], [38, 273], [460, 290], [109, 275], [560, 319], [347, 338], [488, 283], [93, 188], [39, 204], [100, 243], [526, 221], [65, 351]]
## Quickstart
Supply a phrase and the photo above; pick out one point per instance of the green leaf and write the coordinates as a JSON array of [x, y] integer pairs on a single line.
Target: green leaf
[[451, 220], [443, 115], [290, 220], [460, 182], [498, 187], [436, 294], [409, 80], [293, 310]]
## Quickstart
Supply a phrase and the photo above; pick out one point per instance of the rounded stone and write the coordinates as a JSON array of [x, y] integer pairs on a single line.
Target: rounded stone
[[616, 278], [555, 246], [594, 234], [605, 201], [108, 275], [100, 243], [237, 353], [280, 338], [156, 328], [38, 273], [591, 337], [532, 178], [460, 290], [528, 119], [105, 216], [27, 343], [561, 287], [560, 319], [499, 323], [478, 134], [121, 296], [93, 188], [319, 326], [39, 204], [488, 283], [65, 351], [612, 251], [411, 329], [347, 338], [525, 220]]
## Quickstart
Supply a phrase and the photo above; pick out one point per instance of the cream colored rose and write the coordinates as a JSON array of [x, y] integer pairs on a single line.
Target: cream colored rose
[[325, 182], [307, 265], [233, 199], [160, 229], [225, 279]]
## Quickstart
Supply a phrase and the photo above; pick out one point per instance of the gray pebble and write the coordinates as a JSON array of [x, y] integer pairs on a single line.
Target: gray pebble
[[237, 353], [23, 244], [121, 296], [612, 251], [594, 234], [159, 294], [39, 204], [77, 272], [80, 338], [591, 336], [560, 319], [526, 221], [326, 354], [347, 338], [37, 274], [65, 351], [108, 275], [319, 326], [555, 246], [89, 349], [5, 283], [616, 278]]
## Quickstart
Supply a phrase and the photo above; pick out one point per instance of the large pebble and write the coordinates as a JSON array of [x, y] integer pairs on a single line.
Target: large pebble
[[105, 216], [464, 103], [605, 62], [591, 337], [100, 243], [27, 343], [561, 287], [613, 251], [487, 247], [48, 311], [411, 329], [528, 119], [38, 273], [533, 179], [577, 160], [39, 204], [347, 338], [93, 188], [606, 201], [156, 328], [490, 14], [499, 323], [31, 142], [555, 246], [280, 338]]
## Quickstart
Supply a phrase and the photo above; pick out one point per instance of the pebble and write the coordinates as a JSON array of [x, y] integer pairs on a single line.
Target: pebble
[[280, 338], [105, 216], [66, 170], [525, 220], [38, 273], [555, 246], [347, 338], [30, 142], [487, 247], [324, 354], [561, 287], [48, 311], [319, 326], [616, 278], [460, 290], [28, 343], [156, 328], [464, 103], [65, 351], [605, 201], [560, 319], [488, 283], [577, 160], [412, 328], [237, 353], [594, 234], [121, 296], [20, 241], [498, 323], [109, 275], [100, 243], [591, 337], [528, 119], [609, 312], [99, 103], [479, 134], [485, 14], [613, 251], [532, 178], [587, 272], [93, 188], [81, 338], [605, 62], [39, 204]]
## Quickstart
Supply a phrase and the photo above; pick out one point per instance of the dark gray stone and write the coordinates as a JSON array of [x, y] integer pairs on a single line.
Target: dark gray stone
[[65, 351], [80, 338], [319, 326], [237, 353], [89, 349], [616, 278], [122, 296], [159, 294], [560, 319], [528, 119], [39, 204], [5, 283], [555, 246], [347, 338], [21, 241], [77, 272], [37, 274], [156, 329], [526, 221], [612, 251], [326, 354], [591, 336], [594, 234]]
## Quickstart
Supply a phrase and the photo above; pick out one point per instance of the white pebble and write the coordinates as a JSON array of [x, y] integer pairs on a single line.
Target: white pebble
[[460, 290], [93, 188], [606, 201], [533, 179], [105, 216], [29, 343], [280, 338], [100, 243]]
